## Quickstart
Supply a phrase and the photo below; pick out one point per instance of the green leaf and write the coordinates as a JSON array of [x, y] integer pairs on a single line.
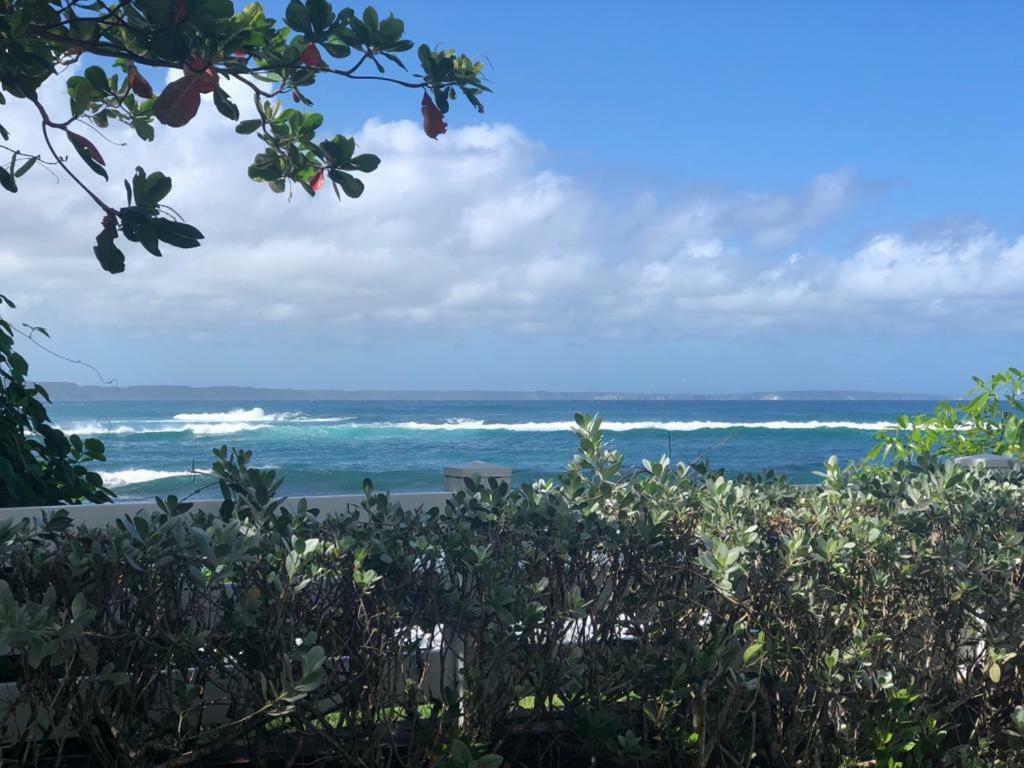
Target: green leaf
[[7, 181], [461, 755], [25, 168], [109, 255], [248, 126], [297, 17], [144, 129], [97, 79], [81, 94], [392, 28], [350, 185], [336, 49], [177, 233], [224, 104], [371, 19], [139, 228], [78, 606], [320, 14], [366, 163], [751, 652], [158, 186]]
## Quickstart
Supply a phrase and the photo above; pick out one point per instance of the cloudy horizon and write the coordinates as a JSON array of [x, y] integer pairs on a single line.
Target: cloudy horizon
[[485, 261]]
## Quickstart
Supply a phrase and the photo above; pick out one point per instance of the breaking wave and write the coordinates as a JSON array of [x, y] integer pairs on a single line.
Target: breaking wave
[[229, 428], [90, 430], [136, 476], [237, 415]]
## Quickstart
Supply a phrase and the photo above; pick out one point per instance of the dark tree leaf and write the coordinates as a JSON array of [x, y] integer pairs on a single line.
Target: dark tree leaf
[[25, 167], [248, 126], [224, 104], [109, 255], [297, 16], [311, 56], [7, 181], [365, 163], [88, 152], [139, 85], [177, 233], [433, 121], [97, 79], [83, 144], [178, 103]]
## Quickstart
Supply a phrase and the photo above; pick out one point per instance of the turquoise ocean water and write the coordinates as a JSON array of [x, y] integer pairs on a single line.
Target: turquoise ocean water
[[329, 447]]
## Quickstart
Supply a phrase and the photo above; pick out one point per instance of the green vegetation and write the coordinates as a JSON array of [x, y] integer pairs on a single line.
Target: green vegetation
[[209, 43], [659, 617], [39, 464], [991, 421]]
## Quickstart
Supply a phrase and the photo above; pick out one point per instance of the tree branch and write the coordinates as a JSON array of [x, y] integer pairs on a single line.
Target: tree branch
[[47, 123]]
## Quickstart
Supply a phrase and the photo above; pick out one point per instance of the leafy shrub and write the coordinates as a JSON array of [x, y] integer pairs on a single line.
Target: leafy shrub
[[660, 617], [39, 464], [991, 420]]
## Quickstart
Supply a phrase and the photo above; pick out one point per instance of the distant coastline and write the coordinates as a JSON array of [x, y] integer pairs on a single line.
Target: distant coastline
[[63, 391]]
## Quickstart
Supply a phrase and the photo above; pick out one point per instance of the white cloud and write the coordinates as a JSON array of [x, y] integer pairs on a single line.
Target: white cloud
[[475, 231]]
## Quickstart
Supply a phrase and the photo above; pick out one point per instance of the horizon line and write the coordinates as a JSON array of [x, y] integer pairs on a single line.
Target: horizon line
[[61, 390]]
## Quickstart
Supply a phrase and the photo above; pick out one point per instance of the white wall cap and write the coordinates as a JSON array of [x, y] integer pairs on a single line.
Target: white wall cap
[[989, 460], [455, 477], [478, 468]]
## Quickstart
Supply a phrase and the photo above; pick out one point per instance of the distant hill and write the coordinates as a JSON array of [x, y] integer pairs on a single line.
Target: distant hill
[[68, 392]]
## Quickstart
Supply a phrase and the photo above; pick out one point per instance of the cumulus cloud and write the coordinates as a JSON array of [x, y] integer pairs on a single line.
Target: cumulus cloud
[[476, 231]]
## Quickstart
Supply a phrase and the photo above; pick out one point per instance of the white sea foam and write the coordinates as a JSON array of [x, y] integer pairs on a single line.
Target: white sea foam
[[229, 428], [135, 476], [86, 430], [200, 429], [627, 426], [235, 416]]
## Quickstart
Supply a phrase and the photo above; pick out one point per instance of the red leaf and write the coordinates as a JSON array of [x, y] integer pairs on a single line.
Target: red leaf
[[83, 143], [140, 86], [180, 11], [205, 76], [317, 182], [433, 121], [311, 56], [206, 81], [178, 103]]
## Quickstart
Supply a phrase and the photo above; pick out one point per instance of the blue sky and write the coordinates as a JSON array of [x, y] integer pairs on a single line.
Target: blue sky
[[917, 97], [706, 197]]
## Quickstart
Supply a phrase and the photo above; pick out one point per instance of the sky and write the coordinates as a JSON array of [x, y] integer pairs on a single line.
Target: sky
[[663, 197]]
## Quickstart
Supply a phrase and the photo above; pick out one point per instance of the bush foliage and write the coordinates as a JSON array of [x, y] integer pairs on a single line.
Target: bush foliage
[[990, 420], [39, 464], [657, 617]]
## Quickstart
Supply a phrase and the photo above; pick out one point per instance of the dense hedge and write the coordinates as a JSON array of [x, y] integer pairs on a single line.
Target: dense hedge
[[655, 617]]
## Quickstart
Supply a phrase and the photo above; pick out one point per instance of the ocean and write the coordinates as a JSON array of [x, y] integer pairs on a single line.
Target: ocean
[[325, 447]]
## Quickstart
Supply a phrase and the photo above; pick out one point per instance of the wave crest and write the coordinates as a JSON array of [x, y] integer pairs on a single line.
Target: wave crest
[[122, 477], [226, 428], [236, 415]]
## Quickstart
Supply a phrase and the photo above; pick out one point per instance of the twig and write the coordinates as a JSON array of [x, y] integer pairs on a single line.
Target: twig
[[93, 368], [47, 123]]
